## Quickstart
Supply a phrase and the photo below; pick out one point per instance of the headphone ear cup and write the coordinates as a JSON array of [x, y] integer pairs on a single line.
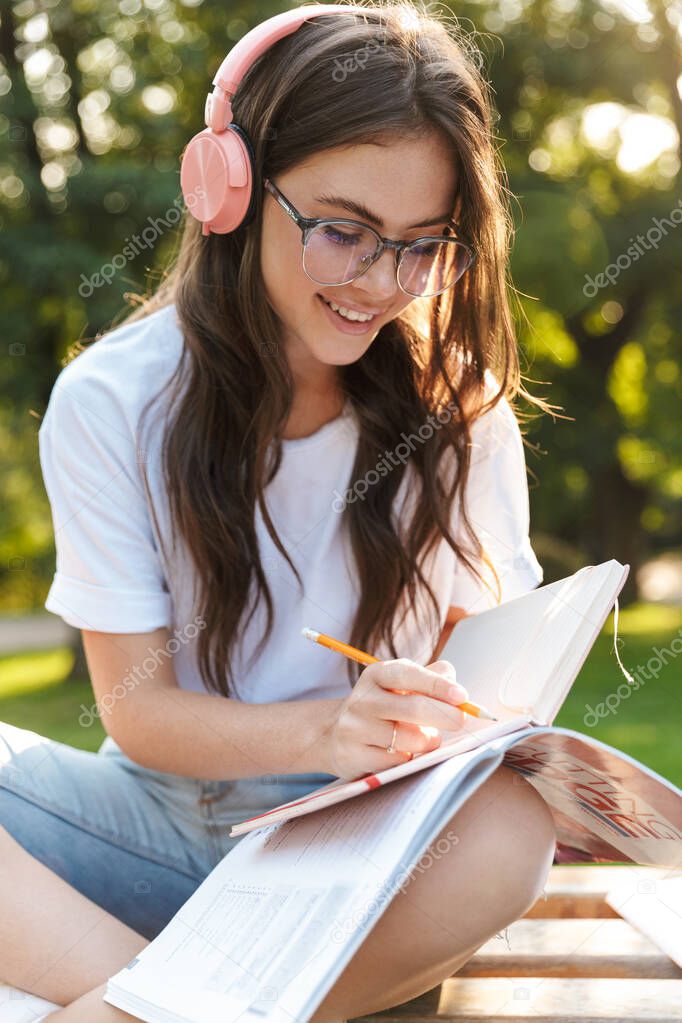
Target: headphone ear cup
[[216, 177], [251, 157]]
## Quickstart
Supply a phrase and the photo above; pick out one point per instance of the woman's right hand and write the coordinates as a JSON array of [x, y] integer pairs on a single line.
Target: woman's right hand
[[363, 723]]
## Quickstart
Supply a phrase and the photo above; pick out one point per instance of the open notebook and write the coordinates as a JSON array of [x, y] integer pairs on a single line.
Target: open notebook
[[518, 659], [267, 933], [523, 656]]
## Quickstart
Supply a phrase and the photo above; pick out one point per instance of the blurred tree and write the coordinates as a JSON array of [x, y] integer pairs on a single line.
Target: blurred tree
[[99, 100], [589, 96]]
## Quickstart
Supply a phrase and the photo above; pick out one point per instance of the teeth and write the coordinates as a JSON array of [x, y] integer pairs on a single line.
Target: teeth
[[349, 314]]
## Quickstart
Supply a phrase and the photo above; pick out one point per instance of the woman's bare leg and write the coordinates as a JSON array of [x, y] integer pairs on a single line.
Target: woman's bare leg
[[55, 942], [494, 868], [493, 871], [91, 1009]]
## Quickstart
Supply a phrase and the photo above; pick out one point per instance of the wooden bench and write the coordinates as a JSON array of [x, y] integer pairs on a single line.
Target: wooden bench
[[571, 959]]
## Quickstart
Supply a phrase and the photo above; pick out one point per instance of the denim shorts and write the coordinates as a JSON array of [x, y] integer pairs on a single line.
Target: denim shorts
[[135, 841]]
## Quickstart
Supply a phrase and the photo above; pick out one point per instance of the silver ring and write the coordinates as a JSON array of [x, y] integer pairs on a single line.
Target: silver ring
[[391, 748]]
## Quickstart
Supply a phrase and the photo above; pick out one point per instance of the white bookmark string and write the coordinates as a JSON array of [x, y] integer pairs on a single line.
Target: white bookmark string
[[615, 644]]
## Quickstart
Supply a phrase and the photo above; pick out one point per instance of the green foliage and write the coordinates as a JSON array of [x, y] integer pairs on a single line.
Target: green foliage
[[99, 100], [586, 91], [26, 540]]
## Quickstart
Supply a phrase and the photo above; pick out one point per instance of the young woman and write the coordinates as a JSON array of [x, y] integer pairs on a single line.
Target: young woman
[[287, 434]]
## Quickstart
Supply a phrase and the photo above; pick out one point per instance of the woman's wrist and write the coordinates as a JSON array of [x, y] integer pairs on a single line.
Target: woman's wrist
[[320, 717]]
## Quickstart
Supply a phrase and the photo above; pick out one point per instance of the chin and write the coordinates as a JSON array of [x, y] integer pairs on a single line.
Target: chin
[[340, 353]]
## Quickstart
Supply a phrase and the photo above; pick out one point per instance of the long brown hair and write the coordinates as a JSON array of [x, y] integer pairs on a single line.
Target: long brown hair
[[231, 396]]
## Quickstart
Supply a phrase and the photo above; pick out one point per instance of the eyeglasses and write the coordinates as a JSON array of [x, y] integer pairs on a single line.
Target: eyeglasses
[[338, 251]]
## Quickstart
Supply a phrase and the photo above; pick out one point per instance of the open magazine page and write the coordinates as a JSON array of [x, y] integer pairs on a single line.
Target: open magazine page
[[604, 803], [269, 930]]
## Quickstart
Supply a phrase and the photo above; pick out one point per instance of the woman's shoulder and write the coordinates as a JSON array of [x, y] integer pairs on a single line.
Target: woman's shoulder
[[131, 358], [111, 380]]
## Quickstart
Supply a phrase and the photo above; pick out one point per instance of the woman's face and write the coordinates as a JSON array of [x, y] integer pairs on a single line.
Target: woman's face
[[402, 184]]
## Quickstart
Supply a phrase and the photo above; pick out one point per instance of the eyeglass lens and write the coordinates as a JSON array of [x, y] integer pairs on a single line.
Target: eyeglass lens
[[337, 253]]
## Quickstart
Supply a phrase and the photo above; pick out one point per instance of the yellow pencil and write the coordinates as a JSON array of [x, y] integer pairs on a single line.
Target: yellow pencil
[[359, 655]]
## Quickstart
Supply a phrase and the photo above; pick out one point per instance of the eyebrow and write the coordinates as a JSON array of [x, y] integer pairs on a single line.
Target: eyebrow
[[361, 211]]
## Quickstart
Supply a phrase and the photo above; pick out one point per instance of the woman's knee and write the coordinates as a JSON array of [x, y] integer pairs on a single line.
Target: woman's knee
[[522, 831]]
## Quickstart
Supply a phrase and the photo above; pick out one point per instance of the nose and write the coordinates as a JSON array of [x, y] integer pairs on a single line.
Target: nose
[[379, 283]]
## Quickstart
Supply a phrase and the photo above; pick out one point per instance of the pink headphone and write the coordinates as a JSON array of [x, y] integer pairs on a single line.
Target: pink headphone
[[218, 164]]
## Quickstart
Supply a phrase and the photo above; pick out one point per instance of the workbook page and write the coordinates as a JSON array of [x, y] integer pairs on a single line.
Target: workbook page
[[274, 918]]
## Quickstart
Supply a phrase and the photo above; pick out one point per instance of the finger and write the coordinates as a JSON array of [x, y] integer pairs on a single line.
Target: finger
[[408, 738], [444, 668], [433, 736], [417, 709], [403, 674], [399, 756], [377, 759]]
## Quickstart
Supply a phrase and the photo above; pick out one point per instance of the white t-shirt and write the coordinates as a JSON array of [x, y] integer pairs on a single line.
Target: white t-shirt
[[111, 573]]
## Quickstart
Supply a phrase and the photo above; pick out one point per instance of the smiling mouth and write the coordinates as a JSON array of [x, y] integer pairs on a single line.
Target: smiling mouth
[[372, 316]]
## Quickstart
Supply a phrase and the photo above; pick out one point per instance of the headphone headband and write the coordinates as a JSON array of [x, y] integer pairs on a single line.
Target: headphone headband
[[218, 165], [259, 39]]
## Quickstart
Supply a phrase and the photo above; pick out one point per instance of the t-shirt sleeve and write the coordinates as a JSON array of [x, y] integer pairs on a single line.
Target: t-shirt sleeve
[[498, 508], [109, 575]]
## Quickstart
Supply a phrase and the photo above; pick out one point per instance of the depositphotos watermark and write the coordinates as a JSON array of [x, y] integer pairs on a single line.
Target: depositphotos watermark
[[634, 252], [387, 891], [141, 672], [357, 59], [390, 459], [654, 667], [144, 240]]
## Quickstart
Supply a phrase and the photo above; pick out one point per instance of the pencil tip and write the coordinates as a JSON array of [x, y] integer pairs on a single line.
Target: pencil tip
[[309, 633]]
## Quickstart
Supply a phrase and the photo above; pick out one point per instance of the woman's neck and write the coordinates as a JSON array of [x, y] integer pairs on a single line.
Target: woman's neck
[[312, 408]]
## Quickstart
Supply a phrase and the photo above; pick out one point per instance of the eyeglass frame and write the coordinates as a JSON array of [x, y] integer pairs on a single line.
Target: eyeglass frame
[[308, 224]]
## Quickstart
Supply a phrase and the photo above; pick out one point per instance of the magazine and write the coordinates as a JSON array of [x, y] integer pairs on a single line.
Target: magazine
[[268, 932]]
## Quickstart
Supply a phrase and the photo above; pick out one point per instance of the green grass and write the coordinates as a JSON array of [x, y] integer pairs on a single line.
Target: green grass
[[646, 724], [33, 693]]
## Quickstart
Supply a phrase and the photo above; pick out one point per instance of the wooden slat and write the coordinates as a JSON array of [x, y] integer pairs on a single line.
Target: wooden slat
[[571, 948], [546, 1000], [565, 956], [580, 890], [423, 1007]]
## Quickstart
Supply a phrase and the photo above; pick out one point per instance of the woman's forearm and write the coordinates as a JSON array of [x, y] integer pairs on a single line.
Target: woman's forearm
[[199, 735], [203, 736]]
